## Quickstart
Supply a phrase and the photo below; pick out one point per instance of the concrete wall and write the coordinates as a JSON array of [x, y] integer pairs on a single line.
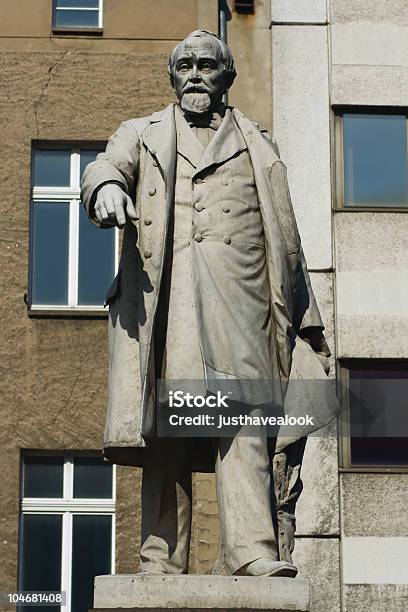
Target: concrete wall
[[371, 284], [369, 44], [301, 128], [369, 58], [301, 125]]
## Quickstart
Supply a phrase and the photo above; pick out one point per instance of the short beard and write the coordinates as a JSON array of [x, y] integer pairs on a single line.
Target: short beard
[[195, 102]]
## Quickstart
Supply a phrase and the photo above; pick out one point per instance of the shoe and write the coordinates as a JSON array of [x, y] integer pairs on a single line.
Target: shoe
[[268, 567]]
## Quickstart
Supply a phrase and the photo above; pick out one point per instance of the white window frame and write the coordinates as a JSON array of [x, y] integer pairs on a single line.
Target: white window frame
[[67, 507], [70, 195], [79, 8]]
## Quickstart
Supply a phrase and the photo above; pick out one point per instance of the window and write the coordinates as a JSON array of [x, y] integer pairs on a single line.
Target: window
[[374, 421], [372, 160], [77, 14], [67, 526], [245, 7], [72, 262]]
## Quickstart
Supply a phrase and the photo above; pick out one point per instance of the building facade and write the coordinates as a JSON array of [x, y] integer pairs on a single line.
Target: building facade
[[339, 81], [330, 79]]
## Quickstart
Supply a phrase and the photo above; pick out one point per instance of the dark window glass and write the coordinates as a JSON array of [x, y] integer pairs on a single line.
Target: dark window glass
[[78, 3], [379, 415], [50, 236], [43, 476], [96, 261], [52, 168], [375, 160], [379, 452], [75, 18], [86, 158], [91, 556], [92, 478], [41, 556]]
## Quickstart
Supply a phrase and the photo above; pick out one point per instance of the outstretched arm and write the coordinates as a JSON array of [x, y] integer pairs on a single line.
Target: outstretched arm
[[108, 183]]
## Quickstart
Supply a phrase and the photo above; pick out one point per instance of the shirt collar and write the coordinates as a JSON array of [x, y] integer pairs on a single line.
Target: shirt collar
[[209, 120]]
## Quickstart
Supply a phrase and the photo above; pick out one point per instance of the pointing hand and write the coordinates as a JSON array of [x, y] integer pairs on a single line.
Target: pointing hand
[[112, 204]]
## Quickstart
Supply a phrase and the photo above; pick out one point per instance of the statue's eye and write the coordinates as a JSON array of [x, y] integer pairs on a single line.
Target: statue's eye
[[183, 67], [207, 66]]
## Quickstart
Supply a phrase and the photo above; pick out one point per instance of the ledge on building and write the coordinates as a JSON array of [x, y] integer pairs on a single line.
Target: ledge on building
[[63, 313], [77, 31], [369, 209]]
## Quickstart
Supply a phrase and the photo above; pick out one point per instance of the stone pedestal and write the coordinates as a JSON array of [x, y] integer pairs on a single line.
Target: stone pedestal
[[192, 592]]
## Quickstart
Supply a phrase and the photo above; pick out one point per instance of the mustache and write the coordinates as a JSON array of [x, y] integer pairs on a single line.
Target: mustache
[[195, 89]]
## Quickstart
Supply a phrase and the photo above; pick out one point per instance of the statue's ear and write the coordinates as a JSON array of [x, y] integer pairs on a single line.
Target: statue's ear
[[171, 76], [229, 79]]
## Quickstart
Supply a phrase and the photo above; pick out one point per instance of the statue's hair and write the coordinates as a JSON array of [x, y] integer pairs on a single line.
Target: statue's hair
[[226, 55]]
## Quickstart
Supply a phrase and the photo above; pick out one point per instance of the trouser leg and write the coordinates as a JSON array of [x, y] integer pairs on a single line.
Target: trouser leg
[[244, 498], [166, 507], [288, 487]]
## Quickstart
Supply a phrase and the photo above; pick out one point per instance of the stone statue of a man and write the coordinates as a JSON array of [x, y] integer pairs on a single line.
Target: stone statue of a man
[[212, 284]]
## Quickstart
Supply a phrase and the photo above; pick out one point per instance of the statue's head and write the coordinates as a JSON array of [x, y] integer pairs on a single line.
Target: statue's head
[[201, 70]]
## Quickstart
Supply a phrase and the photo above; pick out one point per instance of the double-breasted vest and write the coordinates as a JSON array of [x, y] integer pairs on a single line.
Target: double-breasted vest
[[215, 273]]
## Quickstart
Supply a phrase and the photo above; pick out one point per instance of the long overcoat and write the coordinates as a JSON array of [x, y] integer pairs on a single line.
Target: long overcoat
[[141, 157]]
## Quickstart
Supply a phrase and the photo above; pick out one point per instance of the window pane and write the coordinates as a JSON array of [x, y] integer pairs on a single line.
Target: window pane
[[375, 160], [91, 556], [71, 19], [43, 476], [52, 168], [92, 478], [41, 555], [78, 3], [379, 415], [96, 261], [50, 240], [86, 158], [379, 452]]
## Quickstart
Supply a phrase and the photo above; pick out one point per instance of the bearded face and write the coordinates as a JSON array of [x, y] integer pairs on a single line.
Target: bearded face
[[196, 102], [199, 75]]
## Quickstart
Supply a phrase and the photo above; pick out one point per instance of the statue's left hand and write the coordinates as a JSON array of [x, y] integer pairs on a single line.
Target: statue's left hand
[[315, 337], [324, 362]]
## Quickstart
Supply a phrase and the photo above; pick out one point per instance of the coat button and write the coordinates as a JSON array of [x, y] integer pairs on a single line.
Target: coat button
[[147, 221], [199, 207], [227, 239], [147, 254], [224, 181], [155, 163], [198, 237], [225, 208], [152, 191]]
